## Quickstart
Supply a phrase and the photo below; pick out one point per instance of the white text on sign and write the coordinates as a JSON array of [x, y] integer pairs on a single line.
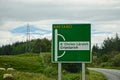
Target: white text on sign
[[76, 45]]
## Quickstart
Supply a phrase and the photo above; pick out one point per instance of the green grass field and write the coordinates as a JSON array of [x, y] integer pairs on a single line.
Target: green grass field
[[39, 67]]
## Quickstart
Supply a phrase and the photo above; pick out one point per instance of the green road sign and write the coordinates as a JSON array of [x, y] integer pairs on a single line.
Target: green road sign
[[71, 43]]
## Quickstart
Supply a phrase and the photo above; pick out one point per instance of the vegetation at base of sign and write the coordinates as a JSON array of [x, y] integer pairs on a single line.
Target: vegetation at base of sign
[[73, 67], [108, 54], [31, 66]]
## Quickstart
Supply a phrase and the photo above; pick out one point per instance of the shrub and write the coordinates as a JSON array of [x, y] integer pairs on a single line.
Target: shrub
[[116, 61], [106, 64], [72, 67], [105, 58], [72, 77], [46, 58], [50, 71]]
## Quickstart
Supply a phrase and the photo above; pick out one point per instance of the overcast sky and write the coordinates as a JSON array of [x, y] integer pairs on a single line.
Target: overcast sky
[[104, 15]]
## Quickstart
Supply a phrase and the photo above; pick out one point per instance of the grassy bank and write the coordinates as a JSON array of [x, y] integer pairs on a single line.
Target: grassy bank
[[39, 67], [95, 76]]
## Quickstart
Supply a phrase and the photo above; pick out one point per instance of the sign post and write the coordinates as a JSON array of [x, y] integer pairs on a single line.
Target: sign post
[[71, 43], [59, 71], [83, 71]]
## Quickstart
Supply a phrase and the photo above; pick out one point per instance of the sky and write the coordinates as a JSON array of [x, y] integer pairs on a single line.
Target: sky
[[103, 15]]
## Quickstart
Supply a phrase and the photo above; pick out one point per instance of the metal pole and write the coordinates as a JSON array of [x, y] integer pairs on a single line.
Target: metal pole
[[59, 71], [83, 71]]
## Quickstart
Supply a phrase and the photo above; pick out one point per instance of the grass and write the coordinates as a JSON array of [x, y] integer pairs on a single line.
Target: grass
[[18, 75], [95, 76], [31, 63], [30, 76], [117, 68], [39, 67]]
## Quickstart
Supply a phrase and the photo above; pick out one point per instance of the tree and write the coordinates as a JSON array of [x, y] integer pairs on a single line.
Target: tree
[[37, 46], [117, 43], [95, 49], [107, 54], [107, 45], [7, 50]]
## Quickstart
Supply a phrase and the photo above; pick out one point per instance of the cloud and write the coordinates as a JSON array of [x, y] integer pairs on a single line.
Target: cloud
[[5, 37], [9, 25], [102, 14], [101, 31], [72, 9], [107, 26], [87, 2], [9, 38]]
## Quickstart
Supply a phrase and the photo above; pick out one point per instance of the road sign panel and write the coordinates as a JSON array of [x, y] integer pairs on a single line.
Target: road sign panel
[[71, 43]]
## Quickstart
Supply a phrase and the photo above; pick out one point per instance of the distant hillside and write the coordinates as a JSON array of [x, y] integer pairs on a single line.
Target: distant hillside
[[35, 46]]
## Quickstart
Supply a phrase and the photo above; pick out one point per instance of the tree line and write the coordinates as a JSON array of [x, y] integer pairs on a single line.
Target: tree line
[[108, 54], [33, 46]]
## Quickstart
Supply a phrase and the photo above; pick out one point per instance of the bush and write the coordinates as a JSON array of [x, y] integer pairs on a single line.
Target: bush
[[72, 77], [106, 64], [104, 58], [72, 67], [50, 71], [46, 58], [116, 61]]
